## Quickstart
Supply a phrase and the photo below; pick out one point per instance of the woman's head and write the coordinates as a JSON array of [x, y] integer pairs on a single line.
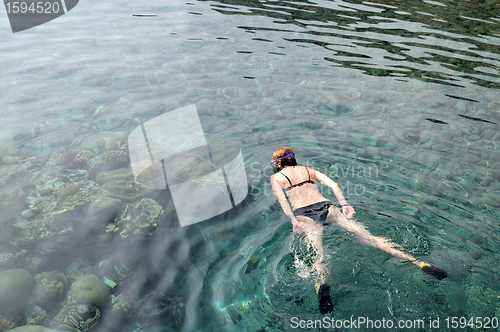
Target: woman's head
[[284, 157]]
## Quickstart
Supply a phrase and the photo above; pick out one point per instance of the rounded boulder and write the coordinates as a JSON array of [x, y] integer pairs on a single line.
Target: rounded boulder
[[90, 289], [15, 288]]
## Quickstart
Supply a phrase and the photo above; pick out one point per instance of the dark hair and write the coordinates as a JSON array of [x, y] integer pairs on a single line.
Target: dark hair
[[281, 152]]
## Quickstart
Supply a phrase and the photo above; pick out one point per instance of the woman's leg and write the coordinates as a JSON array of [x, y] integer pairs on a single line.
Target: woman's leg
[[313, 237], [336, 217]]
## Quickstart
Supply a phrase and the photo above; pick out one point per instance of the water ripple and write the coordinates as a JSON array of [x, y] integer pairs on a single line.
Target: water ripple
[[388, 38]]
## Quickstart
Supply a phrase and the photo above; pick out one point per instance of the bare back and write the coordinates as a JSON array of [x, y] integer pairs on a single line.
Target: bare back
[[302, 195]]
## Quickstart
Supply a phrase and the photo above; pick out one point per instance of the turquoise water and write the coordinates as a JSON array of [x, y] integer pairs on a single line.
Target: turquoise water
[[396, 101]]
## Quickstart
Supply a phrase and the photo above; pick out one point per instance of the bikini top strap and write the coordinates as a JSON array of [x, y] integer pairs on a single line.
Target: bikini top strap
[[309, 174], [287, 179]]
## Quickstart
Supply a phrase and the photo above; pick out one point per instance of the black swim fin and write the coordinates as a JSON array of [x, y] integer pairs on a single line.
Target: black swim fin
[[433, 271], [325, 301]]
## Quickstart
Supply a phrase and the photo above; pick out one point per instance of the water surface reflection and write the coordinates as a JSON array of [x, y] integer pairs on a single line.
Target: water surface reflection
[[451, 43]]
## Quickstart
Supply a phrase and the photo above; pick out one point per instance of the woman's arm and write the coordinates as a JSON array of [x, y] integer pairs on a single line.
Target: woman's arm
[[280, 195], [325, 180]]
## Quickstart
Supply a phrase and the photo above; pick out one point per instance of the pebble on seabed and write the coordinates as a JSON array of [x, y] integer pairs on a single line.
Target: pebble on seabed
[[10, 160], [6, 151]]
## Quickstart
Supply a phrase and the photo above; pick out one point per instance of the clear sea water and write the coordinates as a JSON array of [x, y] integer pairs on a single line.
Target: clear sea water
[[398, 101]]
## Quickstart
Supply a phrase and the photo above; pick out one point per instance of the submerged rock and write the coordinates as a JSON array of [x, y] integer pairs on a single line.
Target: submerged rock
[[71, 157], [117, 174], [9, 160], [79, 268], [101, 212], [6, 324], [109, 160], [80, 318], [12, 200], [82, 310], [67, 191], [139, 219], [35, 315], [114, 159], [161, 304], [126, 190], [15, 288], [75, 317], [77, 200], [12, 189], [11, 257], [50, 288], [7, 152], [10, 174], [90, 289], [115, 268], [122, 307], [51, 192], [32, 328]]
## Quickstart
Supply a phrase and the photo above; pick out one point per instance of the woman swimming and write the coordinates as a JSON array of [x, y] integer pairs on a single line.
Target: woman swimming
[[310, 211]]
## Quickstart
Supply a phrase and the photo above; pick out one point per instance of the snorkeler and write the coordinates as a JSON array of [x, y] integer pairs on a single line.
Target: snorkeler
[[310, 211]]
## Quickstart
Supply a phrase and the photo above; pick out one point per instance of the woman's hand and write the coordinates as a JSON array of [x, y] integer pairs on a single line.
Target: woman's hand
[[348, 211], [297, 226]]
